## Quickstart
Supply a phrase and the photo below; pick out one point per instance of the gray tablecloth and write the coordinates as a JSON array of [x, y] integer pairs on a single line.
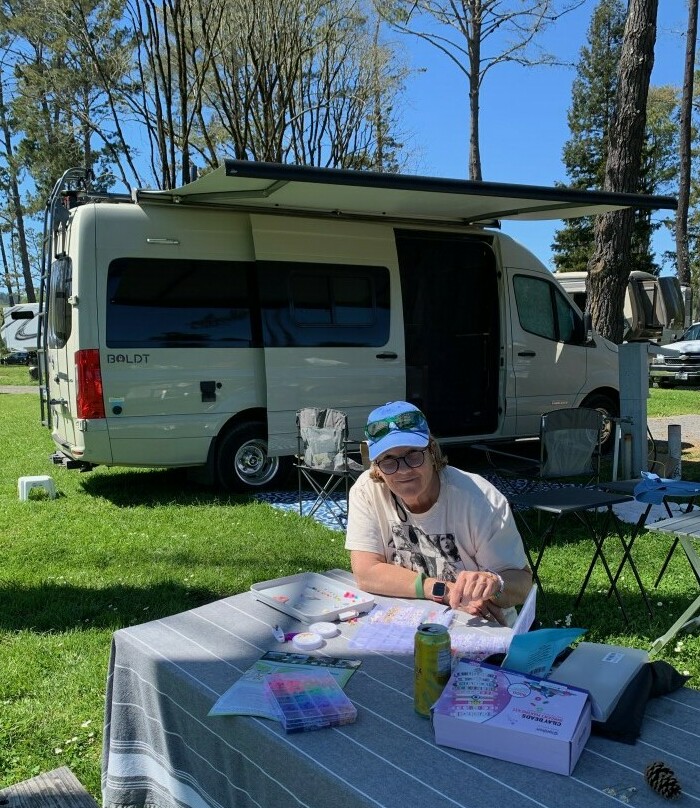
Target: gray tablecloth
[[161, 749]]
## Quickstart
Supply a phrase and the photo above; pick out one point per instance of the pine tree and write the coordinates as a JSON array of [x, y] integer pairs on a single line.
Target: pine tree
[[585, 153], [592, 106]]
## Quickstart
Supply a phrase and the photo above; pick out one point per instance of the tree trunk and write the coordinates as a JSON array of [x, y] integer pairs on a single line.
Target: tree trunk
[[609, 265], [16, 202], [682, 254], [474, 48]]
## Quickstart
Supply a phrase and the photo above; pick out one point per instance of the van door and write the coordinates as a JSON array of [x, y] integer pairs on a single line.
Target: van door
[[331, 320], [60, 363], [548, 356], [451, 314]]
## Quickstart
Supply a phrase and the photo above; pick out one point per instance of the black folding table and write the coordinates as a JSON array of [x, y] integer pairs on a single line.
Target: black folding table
[[584, 504]]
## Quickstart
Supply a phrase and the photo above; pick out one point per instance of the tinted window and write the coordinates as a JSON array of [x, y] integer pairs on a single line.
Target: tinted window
[[543, 310], [323, 305], [60, 310], [159, 303]]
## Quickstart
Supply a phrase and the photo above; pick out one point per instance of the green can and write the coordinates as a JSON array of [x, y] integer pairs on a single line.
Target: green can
[[432, 665]]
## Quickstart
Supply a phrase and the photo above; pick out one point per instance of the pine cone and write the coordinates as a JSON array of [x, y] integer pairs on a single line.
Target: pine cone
[[662, 779]]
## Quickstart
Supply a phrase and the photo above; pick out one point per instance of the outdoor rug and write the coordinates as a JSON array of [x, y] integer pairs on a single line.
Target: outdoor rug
[[289, 501]]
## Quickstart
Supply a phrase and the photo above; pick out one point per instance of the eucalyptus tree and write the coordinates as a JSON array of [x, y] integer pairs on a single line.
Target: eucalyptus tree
[[304, 81], [462, 29], [13, 214]]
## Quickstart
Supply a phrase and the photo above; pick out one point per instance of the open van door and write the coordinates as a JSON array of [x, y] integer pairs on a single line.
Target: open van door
[[324, 286]]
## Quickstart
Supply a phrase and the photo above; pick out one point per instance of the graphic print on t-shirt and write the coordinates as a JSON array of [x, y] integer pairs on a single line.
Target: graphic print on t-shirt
[[434, 554]]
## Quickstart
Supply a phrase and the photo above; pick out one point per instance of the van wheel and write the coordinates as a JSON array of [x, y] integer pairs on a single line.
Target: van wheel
[[242, 462], [603, 403]]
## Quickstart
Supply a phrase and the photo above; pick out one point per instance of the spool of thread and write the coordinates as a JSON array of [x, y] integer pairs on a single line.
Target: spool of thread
[[326, 630], [307, 641]]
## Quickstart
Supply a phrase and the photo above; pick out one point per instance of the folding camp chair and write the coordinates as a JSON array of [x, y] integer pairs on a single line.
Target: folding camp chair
[[570, 442], [324, 461]]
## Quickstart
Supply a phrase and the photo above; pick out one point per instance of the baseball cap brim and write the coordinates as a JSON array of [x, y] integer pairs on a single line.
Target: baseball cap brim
[[395, 439]]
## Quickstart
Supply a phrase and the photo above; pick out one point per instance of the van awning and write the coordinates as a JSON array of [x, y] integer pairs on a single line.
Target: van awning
[[347, 193]]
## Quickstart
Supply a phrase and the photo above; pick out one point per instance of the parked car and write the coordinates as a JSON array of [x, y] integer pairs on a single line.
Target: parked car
[[15, 358], [665, 371]]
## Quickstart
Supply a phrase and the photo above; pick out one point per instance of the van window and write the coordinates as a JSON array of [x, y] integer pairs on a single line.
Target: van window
[[158, 303], [323, 305], [60, 310], [543, 310]]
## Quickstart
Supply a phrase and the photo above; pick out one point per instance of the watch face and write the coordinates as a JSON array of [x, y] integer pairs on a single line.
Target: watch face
[[439, 590]]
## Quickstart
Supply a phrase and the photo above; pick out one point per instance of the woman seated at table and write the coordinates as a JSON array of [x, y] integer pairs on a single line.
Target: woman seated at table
[[420, 528]]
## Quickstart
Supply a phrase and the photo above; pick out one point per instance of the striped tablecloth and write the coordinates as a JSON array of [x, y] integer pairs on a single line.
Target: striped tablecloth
[[161, 749]]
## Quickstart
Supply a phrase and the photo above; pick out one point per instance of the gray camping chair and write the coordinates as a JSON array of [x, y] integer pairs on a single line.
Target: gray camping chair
[[570, 441], [324, 460]]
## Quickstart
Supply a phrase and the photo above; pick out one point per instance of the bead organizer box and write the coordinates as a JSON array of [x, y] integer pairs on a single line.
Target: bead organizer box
[[308, 701], [310, 597]]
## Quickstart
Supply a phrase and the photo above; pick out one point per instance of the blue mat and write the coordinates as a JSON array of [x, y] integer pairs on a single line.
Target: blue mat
[[289, 501]]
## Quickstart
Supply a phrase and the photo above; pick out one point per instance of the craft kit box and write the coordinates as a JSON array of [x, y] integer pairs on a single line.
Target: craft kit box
[[512, 716]]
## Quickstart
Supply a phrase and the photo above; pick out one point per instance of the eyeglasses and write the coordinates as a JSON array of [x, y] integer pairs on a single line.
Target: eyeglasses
[[412, 460], [411, 421]]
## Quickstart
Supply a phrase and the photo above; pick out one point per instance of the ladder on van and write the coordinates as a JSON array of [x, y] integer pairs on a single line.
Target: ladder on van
[[58, 204]]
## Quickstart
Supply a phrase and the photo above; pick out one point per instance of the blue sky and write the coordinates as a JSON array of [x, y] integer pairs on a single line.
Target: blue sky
[[523, 113]]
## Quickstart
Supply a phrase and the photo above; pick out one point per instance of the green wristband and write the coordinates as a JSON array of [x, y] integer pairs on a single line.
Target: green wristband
[[420, 593]]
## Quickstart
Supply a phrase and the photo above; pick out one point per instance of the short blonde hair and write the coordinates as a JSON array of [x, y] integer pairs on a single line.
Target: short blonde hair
[[437, 456]]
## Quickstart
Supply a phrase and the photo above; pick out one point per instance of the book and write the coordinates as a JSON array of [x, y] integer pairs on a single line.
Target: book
[[308, 700], [249, 695]]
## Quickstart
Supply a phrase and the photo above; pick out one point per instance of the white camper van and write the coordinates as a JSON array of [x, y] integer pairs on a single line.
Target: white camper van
[[653, 304], [187, 327]]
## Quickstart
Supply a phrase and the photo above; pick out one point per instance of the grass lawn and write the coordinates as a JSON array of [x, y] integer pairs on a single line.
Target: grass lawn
[[120, 547]]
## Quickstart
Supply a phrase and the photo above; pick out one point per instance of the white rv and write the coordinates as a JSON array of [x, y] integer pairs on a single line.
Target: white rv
[[187, 327], [19, 327], [653, 304]]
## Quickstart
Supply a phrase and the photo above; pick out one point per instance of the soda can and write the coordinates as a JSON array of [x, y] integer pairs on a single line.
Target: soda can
[[432, 665]]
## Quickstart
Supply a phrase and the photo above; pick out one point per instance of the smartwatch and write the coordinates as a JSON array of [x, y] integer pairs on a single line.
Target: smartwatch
[[439, 591]]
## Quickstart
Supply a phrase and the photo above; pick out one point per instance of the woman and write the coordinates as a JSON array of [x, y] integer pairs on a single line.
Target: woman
[[420, 528]]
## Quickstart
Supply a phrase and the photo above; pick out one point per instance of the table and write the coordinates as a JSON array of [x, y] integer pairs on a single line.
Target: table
[[161, 749], [686, 529], [685, 491], [579, 502]]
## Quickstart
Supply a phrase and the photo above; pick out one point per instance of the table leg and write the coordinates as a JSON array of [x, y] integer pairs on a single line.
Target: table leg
[[688, 615], [598, 539], [546, 536], [626, 556]]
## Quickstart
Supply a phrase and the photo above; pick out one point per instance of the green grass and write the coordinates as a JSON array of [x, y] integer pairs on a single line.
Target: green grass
[[673, 401], [16, 375], [119, 547]]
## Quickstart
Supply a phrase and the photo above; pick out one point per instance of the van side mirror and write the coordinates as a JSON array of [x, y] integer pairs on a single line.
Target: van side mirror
[[587, 328]]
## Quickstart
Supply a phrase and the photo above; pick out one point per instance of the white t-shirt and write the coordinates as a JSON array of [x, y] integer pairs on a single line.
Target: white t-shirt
[[470, 527]]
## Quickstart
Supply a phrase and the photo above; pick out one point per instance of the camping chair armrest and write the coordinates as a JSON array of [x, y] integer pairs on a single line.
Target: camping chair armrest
[[489, 450]]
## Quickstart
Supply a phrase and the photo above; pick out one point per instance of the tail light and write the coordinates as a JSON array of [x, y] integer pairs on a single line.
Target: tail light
[[89, 393]]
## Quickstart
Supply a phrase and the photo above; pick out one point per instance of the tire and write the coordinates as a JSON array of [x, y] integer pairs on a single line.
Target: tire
[[242, 462], [606, 405]]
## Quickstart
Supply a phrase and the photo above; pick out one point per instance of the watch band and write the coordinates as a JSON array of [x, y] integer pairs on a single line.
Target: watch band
[[501, 584]]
